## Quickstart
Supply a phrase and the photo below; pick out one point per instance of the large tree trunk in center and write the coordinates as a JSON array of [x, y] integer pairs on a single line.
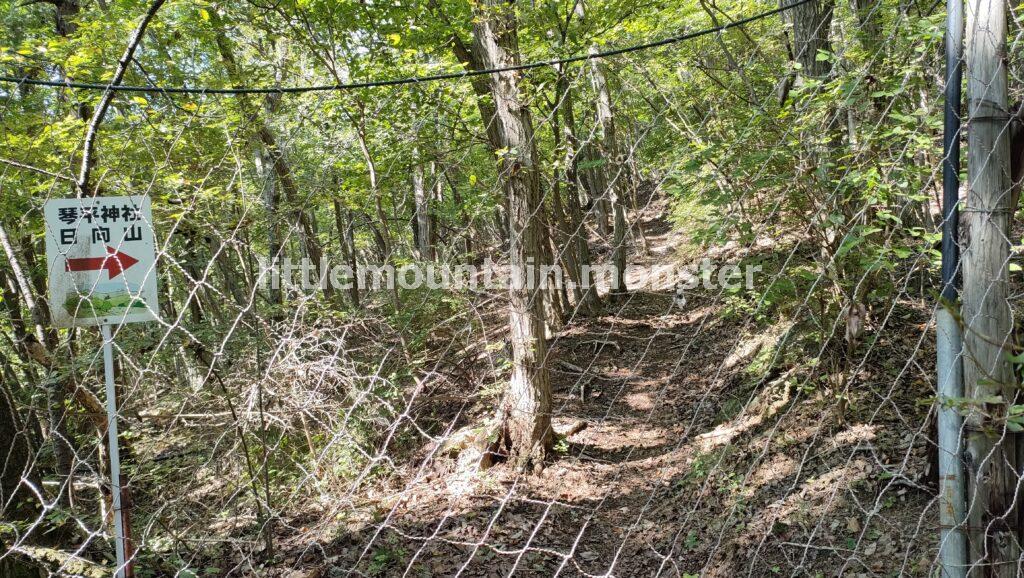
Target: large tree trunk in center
[[991, 448], [526, 407]]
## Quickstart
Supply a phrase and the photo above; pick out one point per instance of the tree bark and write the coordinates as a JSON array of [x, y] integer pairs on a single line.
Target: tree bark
[[869, 19], [593, 180], [993, 527], [437, 200], [526, 408], [633, 195], [15, 462], [64, 13], [487, 109], [810, 25]]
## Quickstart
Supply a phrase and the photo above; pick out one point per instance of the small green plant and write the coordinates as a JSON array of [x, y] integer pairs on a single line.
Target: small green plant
[[384, 558], [691, 540], [561, 446]]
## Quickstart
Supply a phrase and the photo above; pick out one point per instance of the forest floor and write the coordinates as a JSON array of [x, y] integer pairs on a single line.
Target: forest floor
[[700, 457]]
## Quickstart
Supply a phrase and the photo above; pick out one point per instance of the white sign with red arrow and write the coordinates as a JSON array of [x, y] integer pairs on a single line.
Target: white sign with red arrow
[[101, 256], [101, 262]]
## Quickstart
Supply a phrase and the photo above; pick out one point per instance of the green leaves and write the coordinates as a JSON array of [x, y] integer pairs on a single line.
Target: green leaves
[[1015, 418]]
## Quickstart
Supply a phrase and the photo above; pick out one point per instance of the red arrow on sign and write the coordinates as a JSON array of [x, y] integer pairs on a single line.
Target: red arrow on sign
[[115, 262]]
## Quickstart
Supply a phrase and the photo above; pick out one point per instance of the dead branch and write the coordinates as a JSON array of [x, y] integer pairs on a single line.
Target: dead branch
[[108, 95]]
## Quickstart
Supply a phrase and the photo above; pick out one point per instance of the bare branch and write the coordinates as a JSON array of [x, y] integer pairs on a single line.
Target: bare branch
[[108, 95], [34, 169]]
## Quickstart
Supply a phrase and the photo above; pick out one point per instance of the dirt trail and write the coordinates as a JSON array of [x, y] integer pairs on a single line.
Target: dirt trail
[[699, 458]]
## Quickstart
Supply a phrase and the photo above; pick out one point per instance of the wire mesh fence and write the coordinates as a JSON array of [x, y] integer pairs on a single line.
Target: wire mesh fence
[[709, 269]]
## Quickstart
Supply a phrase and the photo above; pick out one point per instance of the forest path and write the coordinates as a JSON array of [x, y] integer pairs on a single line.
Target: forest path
[[696, 458], [653, 379]]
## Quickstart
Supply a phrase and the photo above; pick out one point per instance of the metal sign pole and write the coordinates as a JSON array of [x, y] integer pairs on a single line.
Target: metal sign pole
[[948, 338], [115, 456]]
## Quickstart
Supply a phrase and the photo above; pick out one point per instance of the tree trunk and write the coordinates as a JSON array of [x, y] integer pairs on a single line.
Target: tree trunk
[[16, 501], [40, 344], [228, 272], [467, 233], [40, 350], [488, 111], [590, 302], [343, 221], [554, 311], [526, 408], [991, 448], [635, 181], [869, 19], [563, 249], [810, 25], [614, 176], [593, 180], [424, 231], [270, 203], [437, 200]]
